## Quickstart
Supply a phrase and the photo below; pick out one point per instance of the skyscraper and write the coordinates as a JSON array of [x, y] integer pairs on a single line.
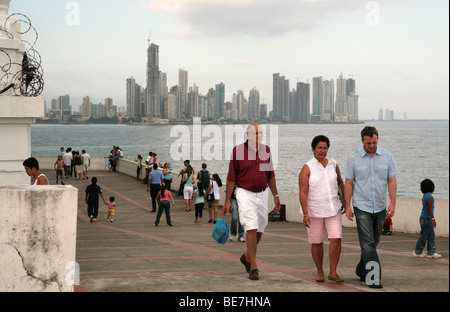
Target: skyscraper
[[317, 97], [341, 100], [182, 92], [86, 107], [280, 98], [301, 111], [220, 101], [328, 100], [153, 82], [253, 105]]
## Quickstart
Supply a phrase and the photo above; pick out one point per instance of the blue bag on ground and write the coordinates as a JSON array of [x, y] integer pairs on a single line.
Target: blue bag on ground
[[221, 231]]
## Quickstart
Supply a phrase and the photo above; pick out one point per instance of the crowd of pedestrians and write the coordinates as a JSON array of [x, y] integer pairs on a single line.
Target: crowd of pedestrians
[[324, 196]]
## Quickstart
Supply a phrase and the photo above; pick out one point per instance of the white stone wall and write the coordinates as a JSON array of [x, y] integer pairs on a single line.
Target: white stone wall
[[38, 238]]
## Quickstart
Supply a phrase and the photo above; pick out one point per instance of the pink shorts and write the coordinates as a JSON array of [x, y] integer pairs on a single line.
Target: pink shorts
[[316, 231]]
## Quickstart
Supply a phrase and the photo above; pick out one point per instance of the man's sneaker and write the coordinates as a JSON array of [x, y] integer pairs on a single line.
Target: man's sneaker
[[435, 256], [418, 255], [91, 218], [62, 182], [232, 238], [241, 239]]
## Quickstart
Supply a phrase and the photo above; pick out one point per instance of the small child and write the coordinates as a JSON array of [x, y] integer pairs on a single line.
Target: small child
[[199, 200], [111, 206], [59, 167], [427, 223]]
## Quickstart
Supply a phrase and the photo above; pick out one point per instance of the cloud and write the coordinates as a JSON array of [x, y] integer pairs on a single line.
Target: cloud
[[262, 18]]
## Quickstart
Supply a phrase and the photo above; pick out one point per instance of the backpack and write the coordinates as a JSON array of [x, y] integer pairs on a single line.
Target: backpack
[[205, 178]]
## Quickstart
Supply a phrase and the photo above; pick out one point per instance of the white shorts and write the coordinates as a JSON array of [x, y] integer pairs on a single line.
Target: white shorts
[[253, 211], [188, 191]]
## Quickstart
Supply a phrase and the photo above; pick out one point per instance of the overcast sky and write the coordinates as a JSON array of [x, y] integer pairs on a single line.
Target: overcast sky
[[396, 50]]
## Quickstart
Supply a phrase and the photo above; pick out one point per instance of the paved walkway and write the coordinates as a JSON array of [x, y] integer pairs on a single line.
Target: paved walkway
[[132, 255]]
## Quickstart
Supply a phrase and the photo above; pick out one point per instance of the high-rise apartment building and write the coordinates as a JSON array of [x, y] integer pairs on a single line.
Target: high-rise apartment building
[[163, 93], [280, 98], [85, 108], [219, 107], [301, 110], [153, 82], [317, 97], [182, 92], [211, 106], [328, 100], [253, 105], [192, 105], [352, 102], [341, 108], [134, 99]]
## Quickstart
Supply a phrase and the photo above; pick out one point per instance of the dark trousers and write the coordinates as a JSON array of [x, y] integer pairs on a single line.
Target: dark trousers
[[154, 189], [163, 205], [199, 210], [92, 209]]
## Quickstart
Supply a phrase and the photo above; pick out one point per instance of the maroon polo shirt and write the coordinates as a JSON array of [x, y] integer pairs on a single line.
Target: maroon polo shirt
[[249, 169]]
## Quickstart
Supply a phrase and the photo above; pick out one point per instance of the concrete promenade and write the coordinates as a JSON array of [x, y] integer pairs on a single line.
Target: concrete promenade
[[132, 255]]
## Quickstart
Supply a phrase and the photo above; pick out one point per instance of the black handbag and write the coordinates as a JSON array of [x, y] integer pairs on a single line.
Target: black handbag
[[210, 197]]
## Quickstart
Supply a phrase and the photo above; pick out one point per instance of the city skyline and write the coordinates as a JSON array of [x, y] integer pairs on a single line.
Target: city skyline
[[398, 52]]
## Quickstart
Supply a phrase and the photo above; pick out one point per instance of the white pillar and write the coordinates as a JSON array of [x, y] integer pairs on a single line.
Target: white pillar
[[17, 113]]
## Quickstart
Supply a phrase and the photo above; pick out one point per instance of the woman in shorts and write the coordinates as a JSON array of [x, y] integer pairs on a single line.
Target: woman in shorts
[[319, 183]]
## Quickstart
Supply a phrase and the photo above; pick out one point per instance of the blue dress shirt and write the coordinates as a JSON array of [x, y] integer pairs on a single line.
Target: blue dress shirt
[[370, 178]]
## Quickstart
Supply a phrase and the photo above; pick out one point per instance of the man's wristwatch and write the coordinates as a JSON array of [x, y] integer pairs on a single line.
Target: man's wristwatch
[[274, 196]]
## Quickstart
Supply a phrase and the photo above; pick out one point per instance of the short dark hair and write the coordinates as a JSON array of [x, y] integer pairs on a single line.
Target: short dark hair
[[369, 131], [155, 166], [320, 138], [94, 180], [427, 186], [31, 163]]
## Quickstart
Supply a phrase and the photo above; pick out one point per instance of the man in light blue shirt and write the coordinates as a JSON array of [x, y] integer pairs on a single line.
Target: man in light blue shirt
[[154, 184], [370, 171]]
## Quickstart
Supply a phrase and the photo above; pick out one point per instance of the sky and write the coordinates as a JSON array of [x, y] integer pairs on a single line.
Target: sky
[[396, 50]]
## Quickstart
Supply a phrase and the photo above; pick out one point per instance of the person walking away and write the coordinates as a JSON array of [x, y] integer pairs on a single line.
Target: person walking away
[[213, 203], [427, 223], [188, 189], [78, 165], [319, 182], [86, 164], [31, 166], [204, 176], [164, 197], [59, 167], [67, 158], [167, 173], [111, 209], [154, 184], [198, 199], [182, 171], [92, 194], [251, 171], [370, 172]]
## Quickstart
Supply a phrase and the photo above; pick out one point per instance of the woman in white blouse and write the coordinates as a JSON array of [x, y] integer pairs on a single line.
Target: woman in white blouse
[[321, 206]]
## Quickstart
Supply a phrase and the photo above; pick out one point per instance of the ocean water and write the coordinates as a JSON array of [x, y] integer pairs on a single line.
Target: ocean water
[[420, 148]]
